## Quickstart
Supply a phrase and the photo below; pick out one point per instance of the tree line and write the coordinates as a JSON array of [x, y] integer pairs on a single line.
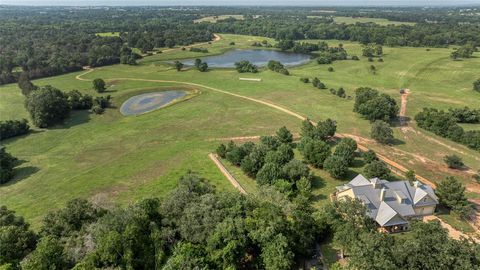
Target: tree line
[[445, 124]]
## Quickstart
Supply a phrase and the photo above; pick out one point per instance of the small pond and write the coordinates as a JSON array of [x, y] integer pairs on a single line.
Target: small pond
[[257, 57], [148, 102]]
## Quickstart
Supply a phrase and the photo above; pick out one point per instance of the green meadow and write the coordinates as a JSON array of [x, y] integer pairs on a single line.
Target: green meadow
[[108, 34], [112, 159], [214, 19], [379, 21]]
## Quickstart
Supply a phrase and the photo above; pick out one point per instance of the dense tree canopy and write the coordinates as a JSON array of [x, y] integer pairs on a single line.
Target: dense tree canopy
[[194, 226], [12, 128], [7, 163], [445, 124], [47, 106], [375, 106]]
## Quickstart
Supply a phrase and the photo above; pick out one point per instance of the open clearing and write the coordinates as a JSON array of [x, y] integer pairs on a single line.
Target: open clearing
[[379, 21], [214, 19], [108, 34], [121, 159]]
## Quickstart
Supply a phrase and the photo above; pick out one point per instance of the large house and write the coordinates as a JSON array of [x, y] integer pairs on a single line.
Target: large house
[[391, 204]]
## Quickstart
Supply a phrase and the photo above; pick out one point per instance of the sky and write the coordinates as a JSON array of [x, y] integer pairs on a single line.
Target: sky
[[241, 2]]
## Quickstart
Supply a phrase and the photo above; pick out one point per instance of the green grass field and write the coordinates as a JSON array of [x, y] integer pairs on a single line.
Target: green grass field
[[379, 21], [114, 159], [214, 19], [108, 34]]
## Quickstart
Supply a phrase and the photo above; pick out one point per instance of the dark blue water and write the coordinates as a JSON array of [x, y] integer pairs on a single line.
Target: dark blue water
[[150, 101], [257, 57]]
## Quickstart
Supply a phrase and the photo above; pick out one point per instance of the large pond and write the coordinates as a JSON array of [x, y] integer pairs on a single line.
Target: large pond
[[150, 101], [257, 57]]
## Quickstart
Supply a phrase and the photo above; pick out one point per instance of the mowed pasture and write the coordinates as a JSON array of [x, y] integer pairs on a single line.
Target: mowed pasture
[[214, 19], [114, 159], [379, 21], [108, 34]]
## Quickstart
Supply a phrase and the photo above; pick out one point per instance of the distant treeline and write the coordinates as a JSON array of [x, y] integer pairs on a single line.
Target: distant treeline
[[48, 42], [292, 28]]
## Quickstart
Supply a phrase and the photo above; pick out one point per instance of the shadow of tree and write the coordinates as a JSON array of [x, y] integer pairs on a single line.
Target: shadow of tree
[[75, 118], [396, 141], [21, 174]]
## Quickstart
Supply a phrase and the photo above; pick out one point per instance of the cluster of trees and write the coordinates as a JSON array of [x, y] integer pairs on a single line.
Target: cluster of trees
[[327, 54], [48, 105], [7, 163], [264, 43], [318, 84], [277, 67], [466, 115], [178, 65], [375, 106], [372, 50], [340, 92], [200, 65], [428, 247], [445, 124], [316, 147], [245, 66], [194, 227], [465, 51], [12, 128], [200, 50], [271, 162]]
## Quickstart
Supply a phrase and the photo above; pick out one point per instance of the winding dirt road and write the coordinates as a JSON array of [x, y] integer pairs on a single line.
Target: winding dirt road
[[397, 168]]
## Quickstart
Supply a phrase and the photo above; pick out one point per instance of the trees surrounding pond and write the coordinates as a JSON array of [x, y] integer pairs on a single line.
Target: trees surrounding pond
[[245, 66]]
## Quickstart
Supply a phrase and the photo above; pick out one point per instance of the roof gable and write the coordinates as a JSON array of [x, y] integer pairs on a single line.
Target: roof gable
[[359, 180], [419, 195], [385, 213]]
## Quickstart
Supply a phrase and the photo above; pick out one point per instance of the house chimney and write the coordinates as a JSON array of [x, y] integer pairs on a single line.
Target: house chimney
[[416, 184], [382, 194]]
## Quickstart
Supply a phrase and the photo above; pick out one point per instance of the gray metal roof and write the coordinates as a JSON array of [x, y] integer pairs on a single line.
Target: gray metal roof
[[398, 201]]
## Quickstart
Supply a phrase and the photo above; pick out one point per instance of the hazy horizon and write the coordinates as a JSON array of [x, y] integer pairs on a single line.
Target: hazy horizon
[[240, 3]]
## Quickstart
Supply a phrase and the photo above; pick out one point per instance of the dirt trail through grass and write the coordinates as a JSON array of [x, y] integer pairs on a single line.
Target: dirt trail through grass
[[394, 166], [227, 174], [397, 168], [403, 109]]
